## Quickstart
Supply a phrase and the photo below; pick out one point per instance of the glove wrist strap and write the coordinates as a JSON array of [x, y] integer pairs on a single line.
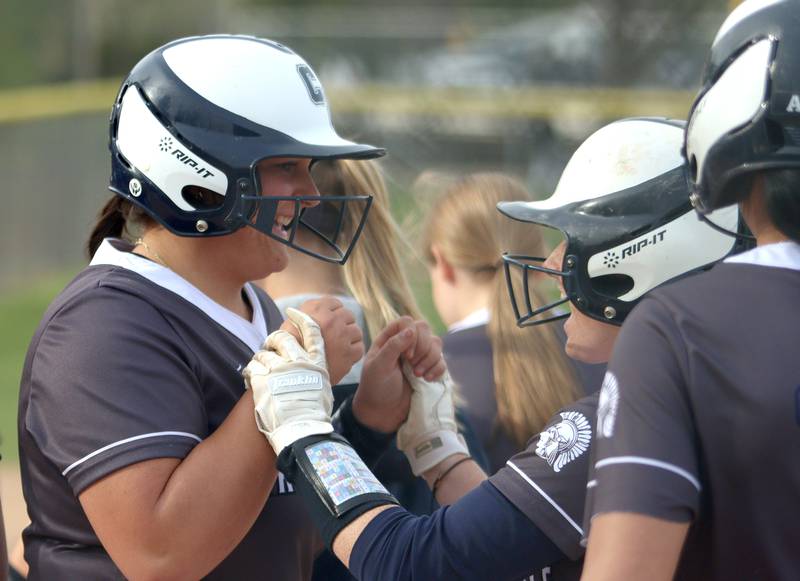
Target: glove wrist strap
[[434, 448]]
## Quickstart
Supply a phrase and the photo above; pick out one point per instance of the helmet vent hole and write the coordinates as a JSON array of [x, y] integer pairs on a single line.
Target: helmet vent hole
[[612, 285], [124, 162], [202, 198]]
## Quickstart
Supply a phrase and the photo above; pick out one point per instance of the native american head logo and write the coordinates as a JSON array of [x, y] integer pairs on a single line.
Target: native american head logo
[[561, 443], [607, 406]]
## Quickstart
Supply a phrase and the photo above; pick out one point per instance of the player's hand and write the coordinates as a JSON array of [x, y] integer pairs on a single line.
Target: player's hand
[[344, 343], [430, 434], [291, 388], [383, 396], [425, 355]]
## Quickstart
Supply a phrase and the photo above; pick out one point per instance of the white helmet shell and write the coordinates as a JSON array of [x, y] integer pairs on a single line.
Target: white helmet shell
[[616, 157], [195, 117], [623, 205], [240, 75]]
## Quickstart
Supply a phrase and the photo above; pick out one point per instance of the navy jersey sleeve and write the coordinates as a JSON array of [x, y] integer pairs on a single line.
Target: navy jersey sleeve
[[111, 384], [482, 536], [646, 458], [547, 481]]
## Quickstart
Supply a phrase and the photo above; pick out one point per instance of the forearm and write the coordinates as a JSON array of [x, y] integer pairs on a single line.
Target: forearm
[[343, 544], [182, 518], [453, 478], [481, 537], [452, 483], [219, 489]]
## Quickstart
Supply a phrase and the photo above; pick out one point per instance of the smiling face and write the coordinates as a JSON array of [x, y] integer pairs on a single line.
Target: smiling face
[[588, 340], [283, 176], [249, 254]]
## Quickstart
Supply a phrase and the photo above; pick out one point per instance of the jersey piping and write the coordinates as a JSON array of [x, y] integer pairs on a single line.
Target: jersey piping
[[126, 441], [251, 333], [650, 462], [544, 495]]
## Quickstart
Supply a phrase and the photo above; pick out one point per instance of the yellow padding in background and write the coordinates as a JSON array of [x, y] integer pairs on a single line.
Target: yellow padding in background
[[579, 103]]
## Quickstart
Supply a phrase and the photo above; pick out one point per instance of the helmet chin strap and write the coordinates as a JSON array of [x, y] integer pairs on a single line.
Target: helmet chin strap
[[720, 229]]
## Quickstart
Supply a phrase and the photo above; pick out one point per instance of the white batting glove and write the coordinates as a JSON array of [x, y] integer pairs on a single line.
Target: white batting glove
[[291, 388], [430, 433]]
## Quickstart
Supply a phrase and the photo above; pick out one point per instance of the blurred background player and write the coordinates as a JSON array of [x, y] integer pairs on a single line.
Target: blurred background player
[[696, 472], [511, 380], [625, 184]]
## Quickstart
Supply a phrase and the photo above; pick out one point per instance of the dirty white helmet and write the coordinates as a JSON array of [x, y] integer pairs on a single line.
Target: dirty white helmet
[[623, 206]]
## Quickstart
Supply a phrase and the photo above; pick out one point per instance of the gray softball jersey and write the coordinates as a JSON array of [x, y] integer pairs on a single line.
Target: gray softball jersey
[[132, 363], [699, 417]]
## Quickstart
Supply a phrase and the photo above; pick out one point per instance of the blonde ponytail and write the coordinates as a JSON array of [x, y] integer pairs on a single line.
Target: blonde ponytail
[[373, 273], [533, 378]]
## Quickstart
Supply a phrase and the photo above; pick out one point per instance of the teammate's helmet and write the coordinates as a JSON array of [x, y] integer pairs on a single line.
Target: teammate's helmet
[[623, 206], [746, 117], [193, 119]]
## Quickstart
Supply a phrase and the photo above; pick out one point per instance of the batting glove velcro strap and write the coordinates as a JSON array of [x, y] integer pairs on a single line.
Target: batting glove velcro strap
[[335, 484], [430, 433], [290, 384]]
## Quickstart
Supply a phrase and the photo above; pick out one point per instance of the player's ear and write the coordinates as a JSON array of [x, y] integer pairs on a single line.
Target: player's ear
[[442, 265]]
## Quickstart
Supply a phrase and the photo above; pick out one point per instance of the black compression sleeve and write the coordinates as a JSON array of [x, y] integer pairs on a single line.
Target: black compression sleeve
[[333, 481]]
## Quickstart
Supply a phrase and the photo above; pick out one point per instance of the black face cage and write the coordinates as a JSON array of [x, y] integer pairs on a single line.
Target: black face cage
[[328, 230], [518, 269]]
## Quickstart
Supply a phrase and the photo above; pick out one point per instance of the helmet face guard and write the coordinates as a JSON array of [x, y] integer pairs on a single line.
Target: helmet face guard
[[605, 277], [189, 129], [519, 270], [621, 242], [325, 226]]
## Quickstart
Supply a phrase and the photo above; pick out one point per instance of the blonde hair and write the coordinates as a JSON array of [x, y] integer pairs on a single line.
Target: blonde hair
[[532, 375], [373, 273]]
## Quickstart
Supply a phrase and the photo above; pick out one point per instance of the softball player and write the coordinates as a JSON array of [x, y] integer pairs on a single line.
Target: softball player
[[696, 471], [622, 204], [140, 454]]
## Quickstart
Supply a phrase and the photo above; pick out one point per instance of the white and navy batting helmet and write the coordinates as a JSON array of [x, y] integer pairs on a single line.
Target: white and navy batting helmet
[[622, 204], [746, 117], [193, 119]]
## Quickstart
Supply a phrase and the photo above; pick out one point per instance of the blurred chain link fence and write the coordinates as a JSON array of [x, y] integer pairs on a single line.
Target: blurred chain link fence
[[446, 86]]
